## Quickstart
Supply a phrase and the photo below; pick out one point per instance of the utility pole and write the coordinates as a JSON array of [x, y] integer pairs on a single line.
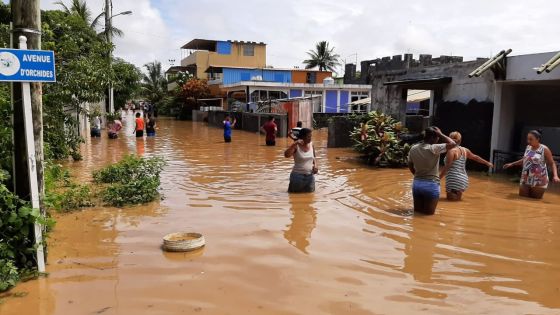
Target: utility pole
[[28, 144], [26, 19], [108, 32]]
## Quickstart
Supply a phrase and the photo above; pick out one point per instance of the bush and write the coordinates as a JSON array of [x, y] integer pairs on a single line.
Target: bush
[[17, 243], [134, 180], [61, 193], [9, 275], [378, 138]]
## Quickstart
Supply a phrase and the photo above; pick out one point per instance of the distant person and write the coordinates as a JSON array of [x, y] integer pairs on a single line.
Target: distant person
[[270, 129], [302, 178], [456, 178], [151, 126], [155, 111], [293, 134], [139, 126], [534, 176], [423, 162], [96, 127], [114, 128], [228, 126]]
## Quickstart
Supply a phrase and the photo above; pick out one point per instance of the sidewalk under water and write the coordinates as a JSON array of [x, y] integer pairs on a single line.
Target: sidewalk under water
[[352, 247]]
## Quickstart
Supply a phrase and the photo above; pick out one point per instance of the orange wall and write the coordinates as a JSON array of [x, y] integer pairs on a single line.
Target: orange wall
[[299, 76]]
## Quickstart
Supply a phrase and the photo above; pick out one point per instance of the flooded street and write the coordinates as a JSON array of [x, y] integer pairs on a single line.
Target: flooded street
[[353, 247]]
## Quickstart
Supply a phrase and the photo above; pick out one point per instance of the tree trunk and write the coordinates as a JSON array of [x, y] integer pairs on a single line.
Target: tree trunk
[[26, 18]]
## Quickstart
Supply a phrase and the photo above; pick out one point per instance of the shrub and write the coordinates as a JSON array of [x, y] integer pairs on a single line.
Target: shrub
[[9, 275], [378, 138], [133, 180], [17, 243]]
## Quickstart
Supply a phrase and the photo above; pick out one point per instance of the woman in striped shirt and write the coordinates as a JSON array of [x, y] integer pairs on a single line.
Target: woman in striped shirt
[[456, 178]]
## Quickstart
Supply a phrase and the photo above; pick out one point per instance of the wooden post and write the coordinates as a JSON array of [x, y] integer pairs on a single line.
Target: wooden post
[[26, 21], [26, 17]]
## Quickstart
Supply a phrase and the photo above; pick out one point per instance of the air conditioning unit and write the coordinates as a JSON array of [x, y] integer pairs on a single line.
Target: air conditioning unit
[[257, 78]]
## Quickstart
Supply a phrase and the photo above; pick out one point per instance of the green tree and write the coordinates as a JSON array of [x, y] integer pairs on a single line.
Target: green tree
[[323, 57], [80, 8], [83, 75], [126, 83], [154, 84]]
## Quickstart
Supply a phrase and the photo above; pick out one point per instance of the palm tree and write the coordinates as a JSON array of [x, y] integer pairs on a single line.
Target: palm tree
[[80, 8], [154, 84], [323, 57]]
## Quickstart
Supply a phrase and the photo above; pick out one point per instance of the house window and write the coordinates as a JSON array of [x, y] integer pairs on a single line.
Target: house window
[[358, 95], [311, 77], [313, 93], [248, 50]]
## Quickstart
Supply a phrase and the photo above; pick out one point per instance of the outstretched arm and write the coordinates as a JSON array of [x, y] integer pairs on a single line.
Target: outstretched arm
[[516, 163], [552, 164], [474, 157]]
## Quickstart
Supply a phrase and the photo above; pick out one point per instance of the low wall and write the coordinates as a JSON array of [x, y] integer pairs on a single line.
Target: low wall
[[321, 120], [249, 121], [198, 115], [339, 132]]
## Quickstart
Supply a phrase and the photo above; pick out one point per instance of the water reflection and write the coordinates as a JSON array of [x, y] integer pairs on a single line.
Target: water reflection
[[303, 221]]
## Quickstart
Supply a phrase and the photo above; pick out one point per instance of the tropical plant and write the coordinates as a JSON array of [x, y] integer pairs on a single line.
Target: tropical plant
[[80, 8], [154, 84], [83, 75], [133, 180], [17, 244], [323, 57], [378, 138], [126, 82], [195, 88]]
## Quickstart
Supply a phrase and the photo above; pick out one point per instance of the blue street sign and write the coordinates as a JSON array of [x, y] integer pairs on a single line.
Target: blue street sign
[[17, 65]]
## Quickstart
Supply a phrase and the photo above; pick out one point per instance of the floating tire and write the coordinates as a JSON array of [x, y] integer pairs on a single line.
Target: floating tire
[[183, 242]]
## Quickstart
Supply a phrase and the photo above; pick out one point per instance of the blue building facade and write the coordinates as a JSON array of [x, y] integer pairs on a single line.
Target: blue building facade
[[236, 75]]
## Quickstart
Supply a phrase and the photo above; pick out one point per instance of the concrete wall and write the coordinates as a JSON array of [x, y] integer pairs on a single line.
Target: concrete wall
[[339, 132], [520, 68], [198, 115], [203, 59]]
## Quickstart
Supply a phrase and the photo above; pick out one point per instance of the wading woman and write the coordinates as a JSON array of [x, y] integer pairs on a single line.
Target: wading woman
[[302, 178], [534, 176], [456, 178], [423, 162]]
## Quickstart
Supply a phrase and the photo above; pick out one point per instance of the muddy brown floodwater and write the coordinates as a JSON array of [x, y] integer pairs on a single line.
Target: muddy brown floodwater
[[353, 247]]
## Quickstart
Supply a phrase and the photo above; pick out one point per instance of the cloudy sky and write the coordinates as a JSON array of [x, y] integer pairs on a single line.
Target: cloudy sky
[[365, 29]]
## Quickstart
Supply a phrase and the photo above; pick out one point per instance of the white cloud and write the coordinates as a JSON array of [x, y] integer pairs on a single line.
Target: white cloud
[[370, 28]]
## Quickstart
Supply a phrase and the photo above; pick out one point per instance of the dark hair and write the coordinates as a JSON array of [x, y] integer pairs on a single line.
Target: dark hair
[[303, 133], [137, 115], [299, 124], [270, 118], [536, 133], [430, 133]]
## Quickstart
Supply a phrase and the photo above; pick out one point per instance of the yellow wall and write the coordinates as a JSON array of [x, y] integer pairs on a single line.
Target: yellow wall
[[203, 59]]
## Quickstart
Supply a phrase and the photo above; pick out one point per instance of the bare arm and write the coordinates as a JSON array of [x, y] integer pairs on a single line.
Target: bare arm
[[551, 164], [411, 167], [516, 163], [449, 159], [291, 150], [474, 157], [450, 144], [315, 164]]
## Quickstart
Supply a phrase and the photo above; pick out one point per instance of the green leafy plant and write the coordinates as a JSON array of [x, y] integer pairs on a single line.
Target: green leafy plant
[[9, 275], [133, 180], [378, 138], [17, 243]]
